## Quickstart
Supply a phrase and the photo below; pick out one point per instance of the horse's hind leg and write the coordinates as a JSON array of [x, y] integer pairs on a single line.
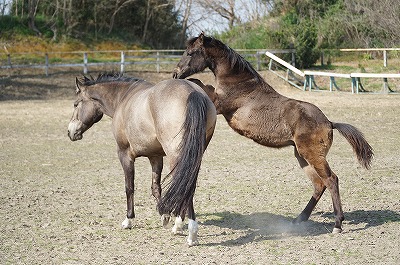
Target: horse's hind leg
[[319, 188], [193, 227], [156, 166], [177, 229], [329, 180]]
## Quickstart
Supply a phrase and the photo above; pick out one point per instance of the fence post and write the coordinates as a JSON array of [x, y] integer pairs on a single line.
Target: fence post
[[122, 62], [9, 60], [46, 56], [158, 62], [258, 60], [85, 62], [293, 58], [384, 58], [322, 58]]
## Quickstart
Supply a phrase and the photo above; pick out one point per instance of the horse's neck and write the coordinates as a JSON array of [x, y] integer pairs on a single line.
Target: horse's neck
[[111, 96], [236, 85]]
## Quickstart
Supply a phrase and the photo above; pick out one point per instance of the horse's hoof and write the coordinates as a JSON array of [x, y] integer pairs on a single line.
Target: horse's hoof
[[337, 230], [177, 230], [165, 220], [192, 243], [127, 223]]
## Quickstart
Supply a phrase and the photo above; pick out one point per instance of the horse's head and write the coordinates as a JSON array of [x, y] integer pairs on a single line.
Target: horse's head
[[209, 89], [194, 58], [87, 111]]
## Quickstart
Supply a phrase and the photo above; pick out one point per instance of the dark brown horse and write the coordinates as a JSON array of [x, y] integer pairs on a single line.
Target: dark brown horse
[[173, 118], [255, 110]]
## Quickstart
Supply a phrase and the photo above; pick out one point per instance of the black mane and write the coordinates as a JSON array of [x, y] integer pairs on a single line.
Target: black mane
[[105, 78]]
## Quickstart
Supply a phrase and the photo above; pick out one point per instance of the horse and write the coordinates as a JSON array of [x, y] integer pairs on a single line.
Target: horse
[[173, 118], [255, 110]]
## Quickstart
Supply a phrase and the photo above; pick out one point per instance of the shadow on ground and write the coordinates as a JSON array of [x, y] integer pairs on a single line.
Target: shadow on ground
[[35, 87], [257, 227]]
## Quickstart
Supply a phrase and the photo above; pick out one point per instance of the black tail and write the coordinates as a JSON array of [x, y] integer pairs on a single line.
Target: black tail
[[184, 175], [361, 147]]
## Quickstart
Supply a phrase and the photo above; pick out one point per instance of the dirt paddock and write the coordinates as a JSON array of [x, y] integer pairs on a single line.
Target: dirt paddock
[[63, 202]]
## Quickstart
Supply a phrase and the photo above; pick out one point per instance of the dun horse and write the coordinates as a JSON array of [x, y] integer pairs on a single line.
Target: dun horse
[[255, 110], [173, 118]]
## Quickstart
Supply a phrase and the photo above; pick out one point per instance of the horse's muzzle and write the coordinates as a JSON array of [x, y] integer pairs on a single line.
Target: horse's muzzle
[[175, 73], [74, 136], [74, 131]]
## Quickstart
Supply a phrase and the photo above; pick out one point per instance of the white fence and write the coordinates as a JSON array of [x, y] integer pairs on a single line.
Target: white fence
[[384, 50], [145, 60], [309, 81]]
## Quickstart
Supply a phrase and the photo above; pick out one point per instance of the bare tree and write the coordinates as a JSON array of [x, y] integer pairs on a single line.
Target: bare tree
[[3, 6], [152, 6], [147, 20], [255, 9], [372, 21], [184, 8], [224, 8], [32, 8], [53, 20], [216, 15]]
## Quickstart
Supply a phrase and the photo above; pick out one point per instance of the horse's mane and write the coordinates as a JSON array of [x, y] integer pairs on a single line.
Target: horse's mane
[[105, 78], [235, 59]]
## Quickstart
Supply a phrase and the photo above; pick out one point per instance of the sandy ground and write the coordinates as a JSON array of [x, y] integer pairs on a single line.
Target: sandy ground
[[62, 202]]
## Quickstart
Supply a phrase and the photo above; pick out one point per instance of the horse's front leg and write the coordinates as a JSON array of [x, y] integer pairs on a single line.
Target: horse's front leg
[[128, 166]]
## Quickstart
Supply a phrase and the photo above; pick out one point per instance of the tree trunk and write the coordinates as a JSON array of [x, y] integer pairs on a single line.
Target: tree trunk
[[147, 20], [32, 5], [116, 10], [185, 21]]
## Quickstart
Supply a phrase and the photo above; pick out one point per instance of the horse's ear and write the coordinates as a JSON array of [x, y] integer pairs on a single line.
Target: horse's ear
[[201, 37], [77, 85]]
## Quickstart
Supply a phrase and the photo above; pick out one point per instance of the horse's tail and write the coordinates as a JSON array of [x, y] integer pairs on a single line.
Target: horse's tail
[[361, 147], [182, 185]]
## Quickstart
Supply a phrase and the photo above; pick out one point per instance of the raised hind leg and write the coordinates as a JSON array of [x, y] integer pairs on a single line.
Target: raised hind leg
[[319, 188], [128, 166], [156, 166]]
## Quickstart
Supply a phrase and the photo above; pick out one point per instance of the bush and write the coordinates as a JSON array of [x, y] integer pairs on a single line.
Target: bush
[[305, 43]]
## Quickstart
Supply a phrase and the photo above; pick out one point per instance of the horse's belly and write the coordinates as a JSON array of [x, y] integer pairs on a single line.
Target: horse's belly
[[272, 134]]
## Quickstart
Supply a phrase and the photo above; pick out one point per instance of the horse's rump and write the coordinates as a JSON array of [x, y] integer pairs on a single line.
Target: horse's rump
[[182, 185]]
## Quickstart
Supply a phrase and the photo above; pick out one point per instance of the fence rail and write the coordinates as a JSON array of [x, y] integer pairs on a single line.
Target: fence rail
[[149, 60], [309, 81], [383, 50]]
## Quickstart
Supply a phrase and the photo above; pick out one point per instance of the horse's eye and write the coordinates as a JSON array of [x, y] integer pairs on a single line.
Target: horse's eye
[[190, 53]]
